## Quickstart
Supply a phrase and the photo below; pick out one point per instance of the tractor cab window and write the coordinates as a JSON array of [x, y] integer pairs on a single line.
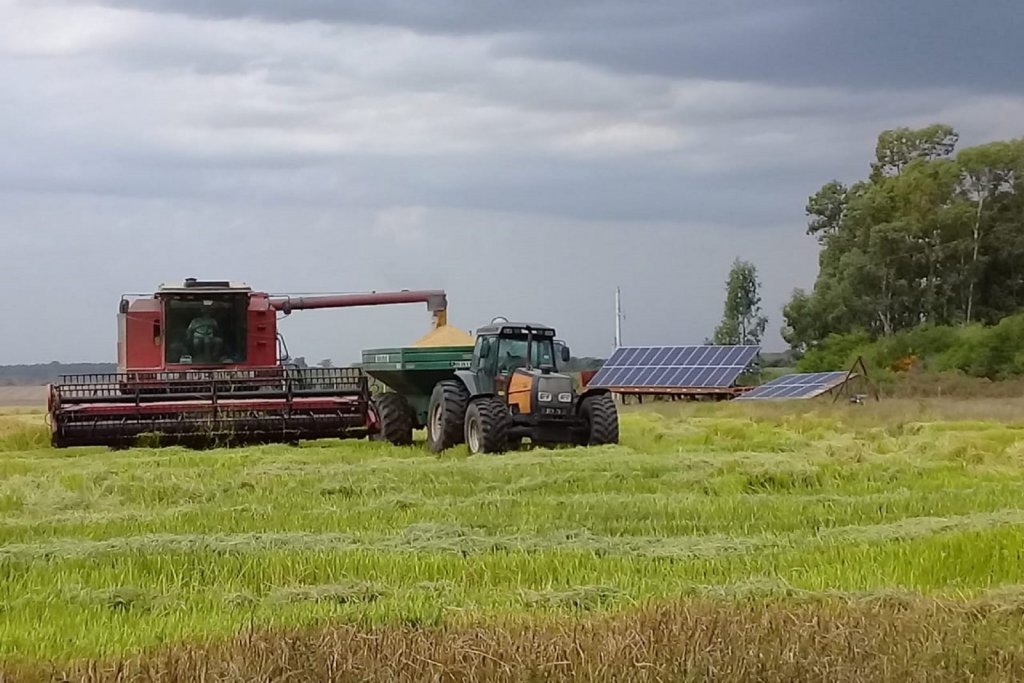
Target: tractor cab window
[[205, 330], [512, 353], [485, 355]]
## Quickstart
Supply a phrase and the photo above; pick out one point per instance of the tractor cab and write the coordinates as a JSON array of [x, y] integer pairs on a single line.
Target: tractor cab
[[518, 364], [502, 349]]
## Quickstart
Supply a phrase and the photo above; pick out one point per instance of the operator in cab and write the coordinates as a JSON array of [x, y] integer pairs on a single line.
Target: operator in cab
[[204, 337], [515, 351]]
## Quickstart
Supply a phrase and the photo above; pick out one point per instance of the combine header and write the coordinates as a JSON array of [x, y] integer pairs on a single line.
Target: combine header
[[202, 364]]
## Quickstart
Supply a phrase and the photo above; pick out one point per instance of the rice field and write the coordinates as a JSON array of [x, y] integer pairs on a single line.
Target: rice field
[[758, 542]]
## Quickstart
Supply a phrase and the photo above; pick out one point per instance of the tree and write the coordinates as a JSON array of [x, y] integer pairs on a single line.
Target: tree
[[898, 147], [826, 209], [804, 322], [928, 238], [742, 322], [326, 363], [987, 172]]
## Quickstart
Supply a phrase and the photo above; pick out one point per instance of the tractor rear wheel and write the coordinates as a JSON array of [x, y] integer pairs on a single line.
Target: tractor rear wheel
[[446, 415], [601, 418], [396, 418], [487, 423]]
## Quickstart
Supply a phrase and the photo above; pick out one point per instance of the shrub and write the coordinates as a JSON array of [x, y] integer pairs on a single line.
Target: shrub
[[995, 352]]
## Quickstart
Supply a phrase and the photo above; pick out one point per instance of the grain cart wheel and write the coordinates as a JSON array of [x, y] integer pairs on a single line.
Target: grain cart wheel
[[487, 423], [602, 420], [446, 415], [396, 418]]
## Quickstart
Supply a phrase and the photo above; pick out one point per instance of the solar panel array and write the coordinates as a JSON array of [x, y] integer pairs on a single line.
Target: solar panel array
[[798, 385], [674, 367]]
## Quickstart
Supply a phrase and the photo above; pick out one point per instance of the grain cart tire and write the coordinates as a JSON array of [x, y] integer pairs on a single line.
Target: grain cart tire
[[446, 415], [396, 418], [601, 418], [487, 424]]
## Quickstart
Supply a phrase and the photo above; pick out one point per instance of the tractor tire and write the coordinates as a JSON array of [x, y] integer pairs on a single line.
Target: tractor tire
[[396, 419], [446, 416], [487, 425], [602, 420]]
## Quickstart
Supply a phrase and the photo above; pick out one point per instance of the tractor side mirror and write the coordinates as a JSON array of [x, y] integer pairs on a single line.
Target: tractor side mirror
[[566, 354]]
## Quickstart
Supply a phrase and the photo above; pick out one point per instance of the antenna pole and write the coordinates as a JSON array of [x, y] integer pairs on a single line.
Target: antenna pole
[[618, 317]]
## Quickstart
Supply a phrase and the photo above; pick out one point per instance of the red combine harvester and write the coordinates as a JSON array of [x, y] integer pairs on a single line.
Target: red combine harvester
[[202, 364]]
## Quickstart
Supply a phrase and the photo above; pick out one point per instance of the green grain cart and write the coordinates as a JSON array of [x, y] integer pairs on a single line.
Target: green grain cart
[[410, 374]]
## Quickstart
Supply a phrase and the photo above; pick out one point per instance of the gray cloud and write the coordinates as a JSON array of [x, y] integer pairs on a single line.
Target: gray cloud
[[336, 145], [818, 42], [671, 272]]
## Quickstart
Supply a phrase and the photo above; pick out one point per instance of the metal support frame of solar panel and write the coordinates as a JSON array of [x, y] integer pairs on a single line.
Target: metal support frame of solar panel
[[657, 368], [797, 385]]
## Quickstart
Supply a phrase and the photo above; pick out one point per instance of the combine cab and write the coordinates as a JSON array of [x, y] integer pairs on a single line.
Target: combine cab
[[201, 364]]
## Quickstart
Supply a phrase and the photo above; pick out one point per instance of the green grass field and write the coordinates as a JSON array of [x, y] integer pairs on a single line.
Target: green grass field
[[804, 512]]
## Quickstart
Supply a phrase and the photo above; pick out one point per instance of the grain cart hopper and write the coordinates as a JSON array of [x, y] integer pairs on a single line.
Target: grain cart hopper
[[410, 373], [202, 363], [490, 396]]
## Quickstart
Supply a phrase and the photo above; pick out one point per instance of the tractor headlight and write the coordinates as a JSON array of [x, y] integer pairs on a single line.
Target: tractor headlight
[[565, 397], [544, 396]]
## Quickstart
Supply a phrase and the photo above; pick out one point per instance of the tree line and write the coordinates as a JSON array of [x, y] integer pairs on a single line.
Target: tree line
[[49, 373], [931, 237], [923, 259]]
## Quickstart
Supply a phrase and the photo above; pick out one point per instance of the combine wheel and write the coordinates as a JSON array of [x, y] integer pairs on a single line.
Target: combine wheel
[[487, 423], [601, 418], [396, 419], [446, 415]]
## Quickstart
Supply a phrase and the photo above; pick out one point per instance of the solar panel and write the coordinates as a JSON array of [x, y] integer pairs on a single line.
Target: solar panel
[[674, 367], [797, 385]]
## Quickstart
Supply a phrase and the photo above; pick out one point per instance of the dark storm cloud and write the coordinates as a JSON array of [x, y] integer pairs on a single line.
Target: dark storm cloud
[[374, 145], [447, 16], [867, 43]]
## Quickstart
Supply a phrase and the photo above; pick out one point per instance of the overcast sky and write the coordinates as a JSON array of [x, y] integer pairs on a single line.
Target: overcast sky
[[526, 156]]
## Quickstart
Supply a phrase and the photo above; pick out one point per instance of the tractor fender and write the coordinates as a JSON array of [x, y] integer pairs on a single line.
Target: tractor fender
[[598, 391], [469, 380]]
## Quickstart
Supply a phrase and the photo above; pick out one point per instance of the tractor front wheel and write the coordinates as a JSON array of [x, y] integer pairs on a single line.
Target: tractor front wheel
[[395, 416], [487, 423], [601, 418], [446, 415]]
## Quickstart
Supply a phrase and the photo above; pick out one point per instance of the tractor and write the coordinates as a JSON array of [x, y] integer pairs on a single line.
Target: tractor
[[511, 391]]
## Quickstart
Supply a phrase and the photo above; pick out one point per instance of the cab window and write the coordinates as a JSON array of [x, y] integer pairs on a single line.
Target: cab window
[[485, 354], [512, 354], [205, 330]]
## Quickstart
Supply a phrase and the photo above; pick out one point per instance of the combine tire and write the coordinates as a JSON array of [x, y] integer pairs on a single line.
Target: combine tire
[[487, 423], [601, 418], [395, 416], [447, 415]]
